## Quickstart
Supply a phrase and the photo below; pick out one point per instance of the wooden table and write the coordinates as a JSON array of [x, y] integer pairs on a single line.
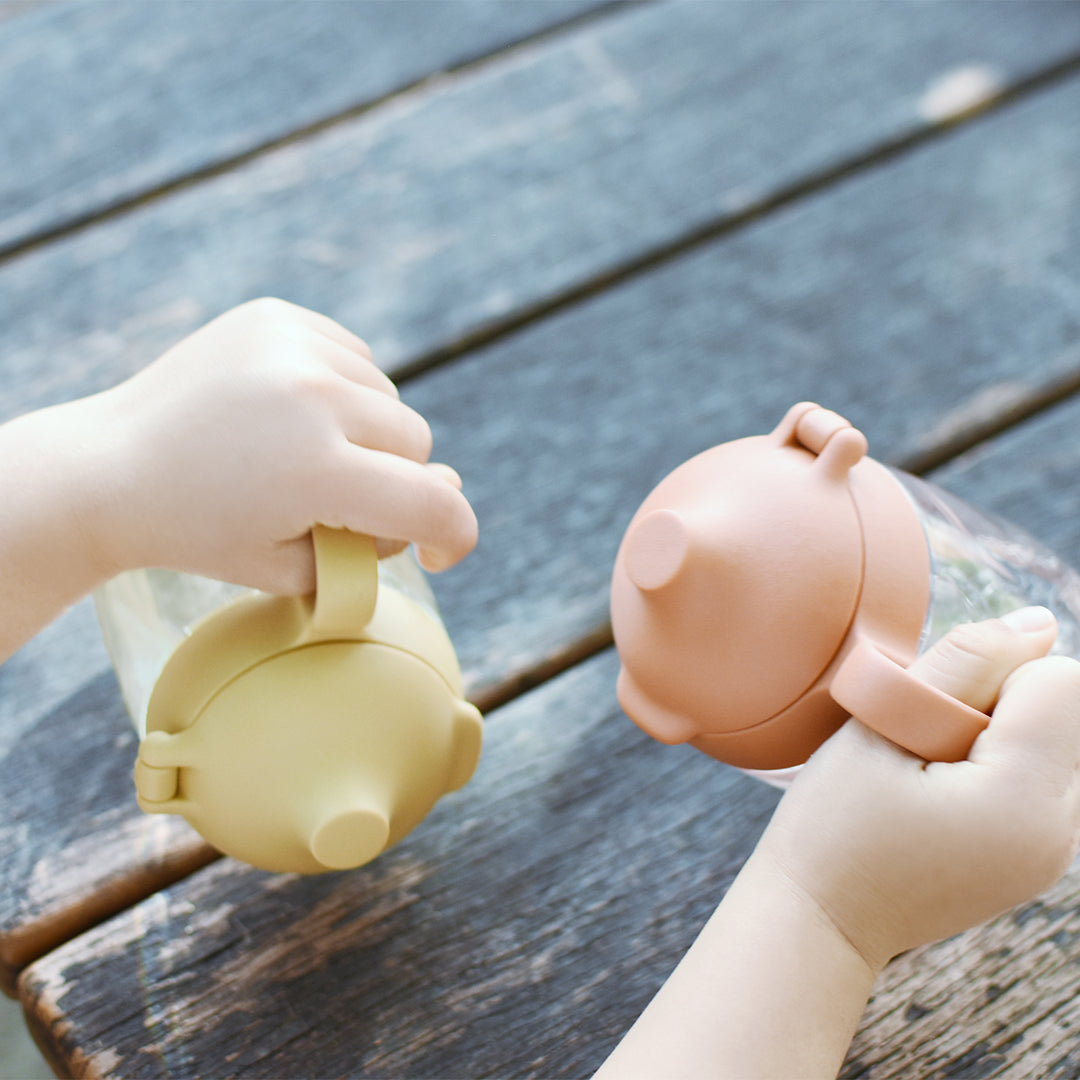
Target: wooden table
[[589, 239]]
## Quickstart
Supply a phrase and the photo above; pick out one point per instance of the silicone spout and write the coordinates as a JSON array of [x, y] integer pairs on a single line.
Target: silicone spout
[[350, 837]]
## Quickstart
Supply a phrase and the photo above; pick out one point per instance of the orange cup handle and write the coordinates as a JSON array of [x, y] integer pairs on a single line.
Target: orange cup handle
[[888, 698]]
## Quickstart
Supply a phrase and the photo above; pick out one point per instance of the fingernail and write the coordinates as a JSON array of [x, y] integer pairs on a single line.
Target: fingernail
[[1029, 620]]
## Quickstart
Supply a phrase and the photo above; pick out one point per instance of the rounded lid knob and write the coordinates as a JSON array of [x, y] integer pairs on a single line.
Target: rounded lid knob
[[657, 548], [350, 838]]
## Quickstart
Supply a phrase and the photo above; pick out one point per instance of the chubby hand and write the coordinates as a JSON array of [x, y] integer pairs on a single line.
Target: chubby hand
[[896, 851], [222, 455]]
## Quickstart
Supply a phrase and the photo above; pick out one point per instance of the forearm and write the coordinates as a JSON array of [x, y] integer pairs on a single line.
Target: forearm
[[49, 482], [769, 989]]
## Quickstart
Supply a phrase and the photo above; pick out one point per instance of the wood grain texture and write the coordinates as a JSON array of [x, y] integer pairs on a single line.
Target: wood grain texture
[[78, 776], [517, 932], [998, 1001], [471, 200], [192, 85], [900, 298]]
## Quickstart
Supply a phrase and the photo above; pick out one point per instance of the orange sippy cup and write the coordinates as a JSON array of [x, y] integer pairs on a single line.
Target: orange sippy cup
[[772, 586]]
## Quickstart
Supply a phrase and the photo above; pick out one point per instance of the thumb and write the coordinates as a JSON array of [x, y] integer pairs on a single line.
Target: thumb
[[973, 660], [1002, 665], [1036, 724]]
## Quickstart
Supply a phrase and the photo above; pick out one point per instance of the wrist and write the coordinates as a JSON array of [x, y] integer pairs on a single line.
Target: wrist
[[771, 987], [50, 479], [832, 930], [88, 446], [809, 979]]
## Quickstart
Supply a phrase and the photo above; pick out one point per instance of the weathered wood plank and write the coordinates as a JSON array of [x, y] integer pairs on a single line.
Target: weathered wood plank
[[471, 200], [932, 267], [517, 932], [93, 833], [115, 100]]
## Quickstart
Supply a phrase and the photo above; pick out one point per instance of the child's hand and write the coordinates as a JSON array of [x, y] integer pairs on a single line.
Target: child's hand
[[222, 455], [897, 852], [871, 852]]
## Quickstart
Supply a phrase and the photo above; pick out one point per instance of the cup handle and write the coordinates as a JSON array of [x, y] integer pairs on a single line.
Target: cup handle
[[346, 582], [888, 698]]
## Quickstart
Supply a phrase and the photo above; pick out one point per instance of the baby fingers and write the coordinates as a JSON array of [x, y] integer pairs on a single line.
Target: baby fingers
[[395, 498], [374, 421]]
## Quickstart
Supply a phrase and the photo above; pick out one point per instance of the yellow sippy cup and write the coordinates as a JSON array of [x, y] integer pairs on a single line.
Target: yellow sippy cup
[[295, 733]]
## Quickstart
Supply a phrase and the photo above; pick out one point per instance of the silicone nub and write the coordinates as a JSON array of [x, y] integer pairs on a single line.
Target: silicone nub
[[656, 549], [350, 839]]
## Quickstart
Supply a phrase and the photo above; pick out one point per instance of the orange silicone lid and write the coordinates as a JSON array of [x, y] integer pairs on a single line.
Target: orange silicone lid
[[771, 586]]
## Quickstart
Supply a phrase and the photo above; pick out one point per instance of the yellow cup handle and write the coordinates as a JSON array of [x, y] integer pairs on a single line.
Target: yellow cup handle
[[346, 581]]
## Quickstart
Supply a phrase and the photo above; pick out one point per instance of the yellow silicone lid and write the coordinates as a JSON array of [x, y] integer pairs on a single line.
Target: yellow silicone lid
[[310, 734]]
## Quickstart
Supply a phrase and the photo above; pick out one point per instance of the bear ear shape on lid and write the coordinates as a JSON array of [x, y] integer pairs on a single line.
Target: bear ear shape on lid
[[839, 446], [786, 432], [467, 739], [843, 451], [656, 549], [652, 716]]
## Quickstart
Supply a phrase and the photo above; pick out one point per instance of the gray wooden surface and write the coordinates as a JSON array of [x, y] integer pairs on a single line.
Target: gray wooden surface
[[643, 230], [469, 204], [495, 943], [196, 87]]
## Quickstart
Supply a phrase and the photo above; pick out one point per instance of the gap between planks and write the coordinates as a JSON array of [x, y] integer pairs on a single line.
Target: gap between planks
[[730, 222], [128, 204], [880, 154]]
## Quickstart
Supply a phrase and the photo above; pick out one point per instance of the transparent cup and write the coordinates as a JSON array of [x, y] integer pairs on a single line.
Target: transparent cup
[[982, 567]]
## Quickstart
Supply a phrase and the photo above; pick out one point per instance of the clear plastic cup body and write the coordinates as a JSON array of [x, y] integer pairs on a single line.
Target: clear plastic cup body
[[982, 567], [145, 614]]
